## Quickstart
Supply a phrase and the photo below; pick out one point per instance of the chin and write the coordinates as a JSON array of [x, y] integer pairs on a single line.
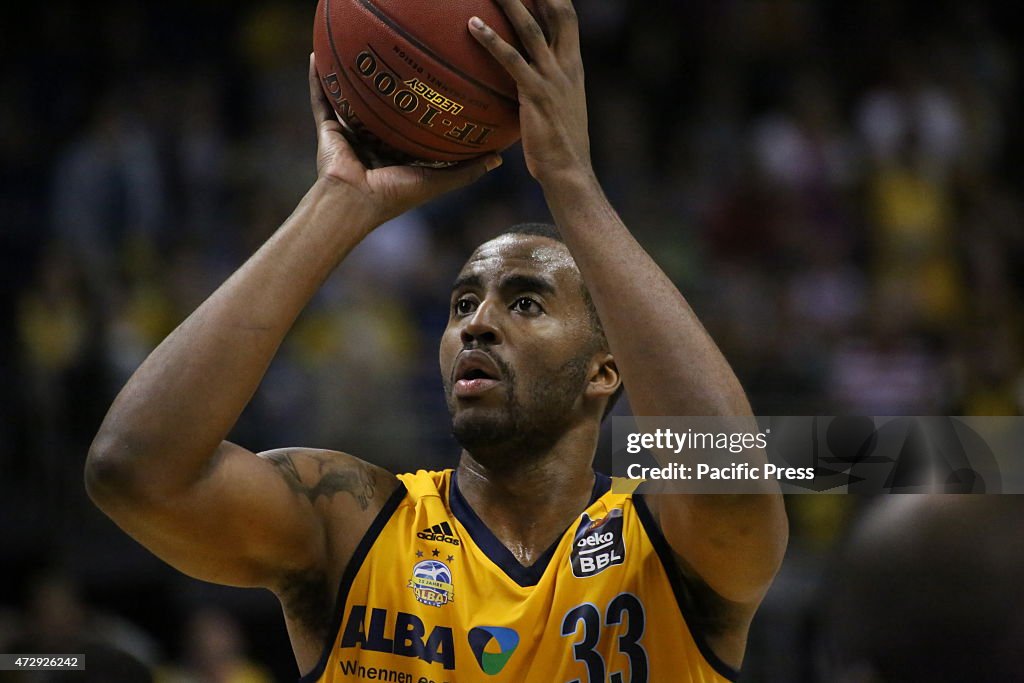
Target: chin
[[481, 430]]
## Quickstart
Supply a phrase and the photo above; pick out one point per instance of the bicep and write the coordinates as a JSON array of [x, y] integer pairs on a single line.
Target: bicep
[[249, 519], [734, 544]]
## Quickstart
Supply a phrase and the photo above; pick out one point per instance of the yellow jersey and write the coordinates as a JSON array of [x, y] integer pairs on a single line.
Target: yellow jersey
[[432, 596]]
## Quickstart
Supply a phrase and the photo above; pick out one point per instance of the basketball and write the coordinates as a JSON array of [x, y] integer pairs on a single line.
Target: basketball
[[411, 83]]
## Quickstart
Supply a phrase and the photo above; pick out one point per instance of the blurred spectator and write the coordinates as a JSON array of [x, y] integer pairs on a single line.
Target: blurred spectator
[[913, 250], [927, 588], [58, 333], [54, 329], [887, 373], [214, 653], [202, 158], [108, 192], [57, 621], [991, 369], [913, 109]]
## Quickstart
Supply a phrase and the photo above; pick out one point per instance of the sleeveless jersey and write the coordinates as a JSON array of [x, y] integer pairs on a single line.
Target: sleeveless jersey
[[432, 596]]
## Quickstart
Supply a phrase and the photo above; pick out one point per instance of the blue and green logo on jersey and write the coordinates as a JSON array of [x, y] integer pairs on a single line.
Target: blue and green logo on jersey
[[492, 646]]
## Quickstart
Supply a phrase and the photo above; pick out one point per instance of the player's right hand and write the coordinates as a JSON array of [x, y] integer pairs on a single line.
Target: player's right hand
[[388, 191], [550, 84]]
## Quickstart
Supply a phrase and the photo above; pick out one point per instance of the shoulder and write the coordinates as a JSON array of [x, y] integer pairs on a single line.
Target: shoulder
[[327, 477], [347, 495], [425, 483]]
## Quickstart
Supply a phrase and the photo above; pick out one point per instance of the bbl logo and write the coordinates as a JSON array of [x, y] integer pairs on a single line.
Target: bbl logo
[[431, 583], [597, 544], [493, 647]]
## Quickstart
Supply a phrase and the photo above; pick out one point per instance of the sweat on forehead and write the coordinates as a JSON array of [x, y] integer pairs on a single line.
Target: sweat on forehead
[[544, 253], [540, 250]]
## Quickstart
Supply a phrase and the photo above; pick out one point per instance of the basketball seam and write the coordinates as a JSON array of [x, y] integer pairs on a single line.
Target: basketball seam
[[343, 71], [432, 133], [433, 55], [381, 59], [352, 88]]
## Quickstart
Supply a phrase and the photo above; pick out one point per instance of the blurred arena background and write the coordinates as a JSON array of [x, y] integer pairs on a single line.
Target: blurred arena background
[[836, 187]]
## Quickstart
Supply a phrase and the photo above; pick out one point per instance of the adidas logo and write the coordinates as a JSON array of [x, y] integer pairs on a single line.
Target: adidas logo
[[439, 532]]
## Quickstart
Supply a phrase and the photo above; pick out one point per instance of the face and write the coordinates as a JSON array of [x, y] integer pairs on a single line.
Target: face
[[517, 351]]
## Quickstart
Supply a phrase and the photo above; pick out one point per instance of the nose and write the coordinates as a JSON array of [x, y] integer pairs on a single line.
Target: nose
[[481, 328]]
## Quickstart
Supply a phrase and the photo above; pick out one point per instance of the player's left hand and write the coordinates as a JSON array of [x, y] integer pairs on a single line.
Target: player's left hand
[[385, 192], [552, 100]]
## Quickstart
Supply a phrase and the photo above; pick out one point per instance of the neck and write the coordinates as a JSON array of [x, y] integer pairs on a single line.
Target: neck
[[554, 487]]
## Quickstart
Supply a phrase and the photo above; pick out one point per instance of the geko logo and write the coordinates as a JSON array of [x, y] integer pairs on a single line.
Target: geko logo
[[598, 544], [492, 646], [597, 539]]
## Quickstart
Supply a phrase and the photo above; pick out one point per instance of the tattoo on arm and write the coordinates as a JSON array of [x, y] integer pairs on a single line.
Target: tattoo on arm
[[358, 481]]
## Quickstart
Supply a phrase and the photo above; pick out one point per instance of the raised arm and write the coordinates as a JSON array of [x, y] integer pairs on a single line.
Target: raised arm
[[159, 465], [669, 364]]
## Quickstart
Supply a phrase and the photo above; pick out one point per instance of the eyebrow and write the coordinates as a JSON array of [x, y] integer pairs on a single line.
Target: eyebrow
[[512, 282], [521, 283], [467, 282]]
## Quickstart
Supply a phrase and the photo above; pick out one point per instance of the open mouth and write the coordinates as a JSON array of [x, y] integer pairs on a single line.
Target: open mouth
[[475, 373]]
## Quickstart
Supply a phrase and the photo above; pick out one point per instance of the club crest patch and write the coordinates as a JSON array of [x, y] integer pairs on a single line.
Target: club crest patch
[[431, 583]]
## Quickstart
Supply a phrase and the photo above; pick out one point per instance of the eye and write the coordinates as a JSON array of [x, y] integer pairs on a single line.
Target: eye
[[464, 306], [525, 304]]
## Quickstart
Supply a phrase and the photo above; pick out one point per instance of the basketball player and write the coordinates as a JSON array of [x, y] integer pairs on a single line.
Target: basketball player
[[926, 588], [521, 564]]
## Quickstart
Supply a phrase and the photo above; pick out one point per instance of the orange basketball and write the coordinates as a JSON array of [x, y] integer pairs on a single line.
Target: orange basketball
[[410, 81]]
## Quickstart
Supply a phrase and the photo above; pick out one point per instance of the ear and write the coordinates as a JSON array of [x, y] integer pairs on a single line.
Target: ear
[[603, 377]]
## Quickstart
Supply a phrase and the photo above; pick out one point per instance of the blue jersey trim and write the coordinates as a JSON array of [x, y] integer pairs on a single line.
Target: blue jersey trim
[[495, 550], [602, 485], [676, 580], [349, 575]]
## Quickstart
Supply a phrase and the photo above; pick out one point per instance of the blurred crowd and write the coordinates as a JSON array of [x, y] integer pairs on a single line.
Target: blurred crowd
[[833, 186]]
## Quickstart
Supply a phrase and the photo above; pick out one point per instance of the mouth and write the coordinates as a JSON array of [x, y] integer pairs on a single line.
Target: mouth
[[475, 373]]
